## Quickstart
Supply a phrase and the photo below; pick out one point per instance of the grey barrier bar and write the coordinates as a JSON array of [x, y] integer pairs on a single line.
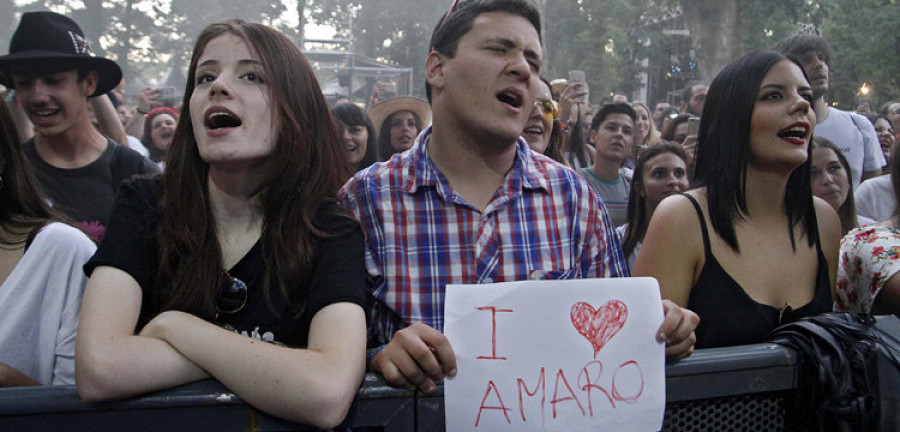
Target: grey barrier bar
[[763, 369], [201, 406], [719, 372]]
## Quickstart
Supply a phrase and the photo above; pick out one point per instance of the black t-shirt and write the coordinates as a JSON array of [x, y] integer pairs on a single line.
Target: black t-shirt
[[338, 267], [86, 194]]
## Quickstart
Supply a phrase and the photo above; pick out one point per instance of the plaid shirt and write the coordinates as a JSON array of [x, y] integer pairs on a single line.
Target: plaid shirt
[[545, 222]]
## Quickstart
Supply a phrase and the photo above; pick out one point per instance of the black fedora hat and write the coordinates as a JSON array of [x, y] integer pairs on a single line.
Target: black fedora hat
[[52, 40]]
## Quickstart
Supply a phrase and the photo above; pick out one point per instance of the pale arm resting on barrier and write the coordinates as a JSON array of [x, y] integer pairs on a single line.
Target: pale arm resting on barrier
[[110, 361], [313, 386]]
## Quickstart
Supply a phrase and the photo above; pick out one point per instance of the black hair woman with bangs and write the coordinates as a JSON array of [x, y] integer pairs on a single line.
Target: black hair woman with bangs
[[357, 135], [771, 254]]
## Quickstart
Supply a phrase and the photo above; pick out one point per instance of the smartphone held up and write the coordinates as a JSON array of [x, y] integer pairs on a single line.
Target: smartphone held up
[[577, 77]]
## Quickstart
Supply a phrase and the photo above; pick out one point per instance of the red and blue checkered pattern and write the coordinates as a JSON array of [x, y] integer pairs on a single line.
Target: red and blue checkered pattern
[[545, 222]]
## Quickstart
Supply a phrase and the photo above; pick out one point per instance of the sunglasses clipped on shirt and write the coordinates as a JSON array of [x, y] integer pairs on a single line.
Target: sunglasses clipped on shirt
[[232, 295]]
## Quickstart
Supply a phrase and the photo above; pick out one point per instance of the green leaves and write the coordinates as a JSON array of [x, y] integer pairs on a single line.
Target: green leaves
[[609, 39]]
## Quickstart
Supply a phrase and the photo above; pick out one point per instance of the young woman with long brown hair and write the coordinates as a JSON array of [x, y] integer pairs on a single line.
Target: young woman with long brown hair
[[238, 265]]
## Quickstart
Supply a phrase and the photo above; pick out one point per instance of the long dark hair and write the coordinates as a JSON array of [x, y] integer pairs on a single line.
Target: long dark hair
[[385, 149], [302, 176], [352, 115], [554, 148], [22, 206], [581, 155], [724, 150], [847, 210], [637, 217]]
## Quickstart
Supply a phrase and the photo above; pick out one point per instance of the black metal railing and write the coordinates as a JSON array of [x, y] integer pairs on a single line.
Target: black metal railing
[[745, 385]]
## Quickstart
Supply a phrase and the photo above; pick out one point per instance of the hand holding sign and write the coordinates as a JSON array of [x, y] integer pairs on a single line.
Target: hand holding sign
[[417, 357]]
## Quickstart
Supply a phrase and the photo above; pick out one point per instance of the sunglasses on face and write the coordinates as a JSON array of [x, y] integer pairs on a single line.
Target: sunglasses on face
[[232, 295], [549, 108]]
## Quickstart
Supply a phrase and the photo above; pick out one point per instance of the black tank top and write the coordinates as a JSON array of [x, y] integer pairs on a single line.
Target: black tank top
[[728, 316]]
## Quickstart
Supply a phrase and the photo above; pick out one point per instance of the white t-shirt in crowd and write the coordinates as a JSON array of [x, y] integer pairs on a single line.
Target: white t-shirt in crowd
[[875, 198], [39, 305], [136, 145]]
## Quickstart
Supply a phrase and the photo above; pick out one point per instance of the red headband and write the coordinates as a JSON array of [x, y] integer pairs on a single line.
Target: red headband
[[165, 109], [161, 110]]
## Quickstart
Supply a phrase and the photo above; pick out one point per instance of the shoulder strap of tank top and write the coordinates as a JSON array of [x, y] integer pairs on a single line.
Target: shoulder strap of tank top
[[693, 201]]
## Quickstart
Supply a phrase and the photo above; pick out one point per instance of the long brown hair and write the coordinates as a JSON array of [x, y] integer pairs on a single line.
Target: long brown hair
[[385, 149], [303, 174], [554, 148], [22, 206]]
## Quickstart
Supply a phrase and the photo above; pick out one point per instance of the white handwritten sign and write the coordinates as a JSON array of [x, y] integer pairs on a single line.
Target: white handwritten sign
[[555, 356]]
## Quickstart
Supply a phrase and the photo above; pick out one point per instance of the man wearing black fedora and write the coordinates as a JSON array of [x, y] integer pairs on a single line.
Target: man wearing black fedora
[[54, 75]]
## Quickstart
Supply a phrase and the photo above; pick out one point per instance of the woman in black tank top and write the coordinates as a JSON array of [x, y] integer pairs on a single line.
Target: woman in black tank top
[[771, 253]]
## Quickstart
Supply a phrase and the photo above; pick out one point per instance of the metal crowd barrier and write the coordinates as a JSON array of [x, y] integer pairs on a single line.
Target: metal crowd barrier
[[722, 389]]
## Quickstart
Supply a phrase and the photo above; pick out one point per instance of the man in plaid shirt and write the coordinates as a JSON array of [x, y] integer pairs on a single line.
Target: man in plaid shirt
[[470, 203]]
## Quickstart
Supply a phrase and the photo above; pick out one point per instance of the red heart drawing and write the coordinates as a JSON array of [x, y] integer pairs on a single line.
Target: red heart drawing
[[600, 325]]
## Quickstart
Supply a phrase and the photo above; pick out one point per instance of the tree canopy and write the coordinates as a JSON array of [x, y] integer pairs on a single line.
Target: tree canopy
[[623, 45]]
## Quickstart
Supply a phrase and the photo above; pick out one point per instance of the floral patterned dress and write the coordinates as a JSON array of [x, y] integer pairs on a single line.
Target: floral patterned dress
[[869, 257]]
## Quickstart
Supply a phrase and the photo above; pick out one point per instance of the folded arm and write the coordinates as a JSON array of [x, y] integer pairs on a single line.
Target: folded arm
[[314, 386], [111, 362]]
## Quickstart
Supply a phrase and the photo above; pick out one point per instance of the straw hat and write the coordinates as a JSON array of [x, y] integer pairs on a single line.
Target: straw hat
[[54, 39], [382, 110]]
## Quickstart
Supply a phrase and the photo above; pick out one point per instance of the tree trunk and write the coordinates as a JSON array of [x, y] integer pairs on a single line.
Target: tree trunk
[[365, 45], [301, 27], [542, 8], [715, 33], [124, 46], [94, 23]]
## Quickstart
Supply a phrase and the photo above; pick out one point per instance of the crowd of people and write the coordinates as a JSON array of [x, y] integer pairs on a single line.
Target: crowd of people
[[253, 234]]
